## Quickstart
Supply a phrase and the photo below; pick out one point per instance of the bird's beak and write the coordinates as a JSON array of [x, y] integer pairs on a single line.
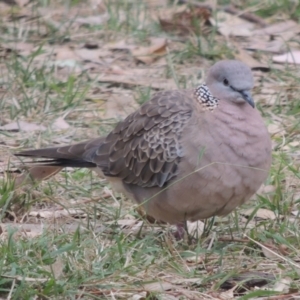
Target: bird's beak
[[248, 97]]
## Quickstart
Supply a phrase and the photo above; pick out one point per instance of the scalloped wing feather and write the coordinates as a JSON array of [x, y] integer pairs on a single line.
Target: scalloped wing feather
[[145, 149]]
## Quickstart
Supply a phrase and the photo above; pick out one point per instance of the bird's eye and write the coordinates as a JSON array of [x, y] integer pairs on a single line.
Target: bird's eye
[[225, 81]]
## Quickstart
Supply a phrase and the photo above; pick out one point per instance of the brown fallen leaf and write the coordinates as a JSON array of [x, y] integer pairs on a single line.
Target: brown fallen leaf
[[261, 213], [60, 124], [148, 55], [156, 3], [120, 45], [65, 57], [119, 105], [230, 25], [276, 130], [22, 48], [266, 189], [248, 280], [58, 213], [65, 53], [245, 15], [29, 230], [292, 57], [282, 285], [93, 20], [22, 126], [9, 2], [158, 286], [278, 28], [92, 54], [245, 57], [195, 229], [270, 250], [228, 295], [36, 173], [188, 20], [22, 3], [166, 84], [56, 268]]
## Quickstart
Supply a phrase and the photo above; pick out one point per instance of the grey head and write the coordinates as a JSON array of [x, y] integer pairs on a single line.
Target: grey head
[[231, 80]]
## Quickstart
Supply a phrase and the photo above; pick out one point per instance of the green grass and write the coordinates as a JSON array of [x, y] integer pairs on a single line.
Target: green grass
[[106, 250]]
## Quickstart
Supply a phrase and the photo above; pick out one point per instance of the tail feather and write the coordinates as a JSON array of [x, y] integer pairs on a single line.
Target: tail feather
[[59, 162], [76, 155], [46, 162]]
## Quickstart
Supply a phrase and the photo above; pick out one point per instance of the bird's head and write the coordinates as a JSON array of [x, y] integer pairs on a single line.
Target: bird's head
[[231, 80]]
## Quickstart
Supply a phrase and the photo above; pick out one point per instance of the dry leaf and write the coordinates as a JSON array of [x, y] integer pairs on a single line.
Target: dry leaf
[[60, 124], [266, 189], [149, 54], [119, 105], [169, 297], [228, 295], [245, 57], [296, 212], [158, 286], [56, 268], [245, 15], [166, 84], [263, 43], [192, 260], [21, 48], [155, 3], [119, 45], [195, 229], [36, 173], [65, 53], [261, 213], [23, 230], [59, 213], [33, 230], [248, 280], [276, 130], [292, 57], [269, 253], [93, 55], [22, 3], [278, 28], [140, 296], [22, 126], [283, 285], [230, 25], [93, 20], [185, 21], [268, 95]]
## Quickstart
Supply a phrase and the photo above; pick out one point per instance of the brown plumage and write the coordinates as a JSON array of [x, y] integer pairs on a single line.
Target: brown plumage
[[184, 155]]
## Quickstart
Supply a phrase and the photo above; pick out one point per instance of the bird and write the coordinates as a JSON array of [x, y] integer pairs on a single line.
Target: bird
[[184, 155]]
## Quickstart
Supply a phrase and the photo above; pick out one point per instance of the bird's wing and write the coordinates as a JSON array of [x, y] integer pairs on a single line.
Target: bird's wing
[[145, 149]]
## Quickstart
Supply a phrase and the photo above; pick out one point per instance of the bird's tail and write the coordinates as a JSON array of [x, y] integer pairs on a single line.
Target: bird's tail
[[49, 161]]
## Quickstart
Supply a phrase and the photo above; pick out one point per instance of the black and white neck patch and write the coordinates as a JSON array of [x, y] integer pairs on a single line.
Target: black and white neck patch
[[205, 97]]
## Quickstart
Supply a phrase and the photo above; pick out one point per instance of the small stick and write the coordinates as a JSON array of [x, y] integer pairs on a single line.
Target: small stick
[[245, 15]]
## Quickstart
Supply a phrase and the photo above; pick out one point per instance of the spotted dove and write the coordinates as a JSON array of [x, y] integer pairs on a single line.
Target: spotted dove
[[184, 154]]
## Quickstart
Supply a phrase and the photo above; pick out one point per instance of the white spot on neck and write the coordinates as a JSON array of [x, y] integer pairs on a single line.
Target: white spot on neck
[[205, 97]]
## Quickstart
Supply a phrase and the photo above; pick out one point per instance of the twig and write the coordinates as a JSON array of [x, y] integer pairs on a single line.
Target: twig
[[22, 278], [11, 289], [245, 15], [273, 252], [284, 297]]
